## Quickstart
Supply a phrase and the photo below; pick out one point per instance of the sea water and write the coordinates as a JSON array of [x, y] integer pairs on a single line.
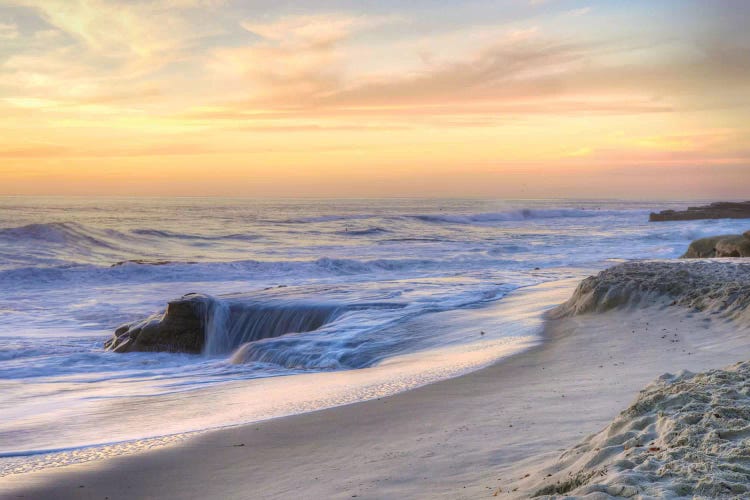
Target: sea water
[[401, 292]]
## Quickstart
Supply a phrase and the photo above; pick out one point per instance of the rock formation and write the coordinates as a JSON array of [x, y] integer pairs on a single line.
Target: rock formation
[[181, 328], [198, 323], [718, 210], [711, 286], [728, 245]]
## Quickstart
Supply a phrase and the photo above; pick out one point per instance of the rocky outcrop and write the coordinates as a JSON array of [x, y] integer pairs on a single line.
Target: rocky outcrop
[[728, 245], [198, 323], [181, 328], [711, 286], [719, 210]]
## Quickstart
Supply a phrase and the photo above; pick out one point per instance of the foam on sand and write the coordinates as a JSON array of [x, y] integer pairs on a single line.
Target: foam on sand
[[685, 435]]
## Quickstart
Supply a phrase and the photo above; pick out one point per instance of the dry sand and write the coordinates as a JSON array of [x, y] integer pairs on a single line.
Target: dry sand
[[498, 431], [686, 435]]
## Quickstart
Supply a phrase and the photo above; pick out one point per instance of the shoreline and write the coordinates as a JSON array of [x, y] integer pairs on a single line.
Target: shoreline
[[513, 324], [488, 432]]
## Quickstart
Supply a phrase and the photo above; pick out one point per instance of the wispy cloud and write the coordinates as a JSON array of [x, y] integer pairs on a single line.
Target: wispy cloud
[[8, 31], [538, 81], [579, 12], [318, 30]]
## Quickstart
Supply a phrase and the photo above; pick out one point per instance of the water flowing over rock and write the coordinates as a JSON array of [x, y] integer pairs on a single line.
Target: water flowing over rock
[[718, 210], [198, 323]]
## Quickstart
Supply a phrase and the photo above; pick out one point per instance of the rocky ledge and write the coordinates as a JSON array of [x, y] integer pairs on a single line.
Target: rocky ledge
[[728, 245], [197, 323], [181, 328], [718, 210], [711, 286]]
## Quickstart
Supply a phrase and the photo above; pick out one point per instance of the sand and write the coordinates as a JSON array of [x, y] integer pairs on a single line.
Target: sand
[[687, 435], [498, 432]]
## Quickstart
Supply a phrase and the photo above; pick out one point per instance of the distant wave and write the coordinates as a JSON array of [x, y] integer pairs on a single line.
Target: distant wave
[[145, 262], [325, 218], [61, 233], [458, 218], [61, 244], [516, 215], [363, 232], [160, 233], [71, 232], [415, 239], [137, 270]]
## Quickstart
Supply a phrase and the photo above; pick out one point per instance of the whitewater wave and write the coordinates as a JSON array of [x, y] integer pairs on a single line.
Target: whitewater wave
[[354, 339]]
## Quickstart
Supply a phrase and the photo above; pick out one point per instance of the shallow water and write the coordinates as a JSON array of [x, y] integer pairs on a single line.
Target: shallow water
[[405, 286]]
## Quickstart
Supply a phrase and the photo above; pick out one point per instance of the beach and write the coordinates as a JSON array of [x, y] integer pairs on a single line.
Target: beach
[[498, 431], [381, 250], [307, 298]]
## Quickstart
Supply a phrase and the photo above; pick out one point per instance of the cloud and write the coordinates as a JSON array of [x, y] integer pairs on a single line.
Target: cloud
[[8, 31], [579, 12], [295, 58], [33, 151], [57, 151], [140, 80], [311, 30], [94, 45], [516, 75]]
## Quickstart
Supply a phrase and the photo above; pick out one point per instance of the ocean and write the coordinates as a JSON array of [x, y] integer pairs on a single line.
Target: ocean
[[404, 292]]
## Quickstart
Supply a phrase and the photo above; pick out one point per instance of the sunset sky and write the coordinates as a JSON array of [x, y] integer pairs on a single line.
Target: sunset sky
[[509, 98]]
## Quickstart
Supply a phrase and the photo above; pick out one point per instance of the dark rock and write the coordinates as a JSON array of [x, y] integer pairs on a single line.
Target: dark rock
[[181, 328], [718, 210], [728, 245], [198, 323], [736, 246]]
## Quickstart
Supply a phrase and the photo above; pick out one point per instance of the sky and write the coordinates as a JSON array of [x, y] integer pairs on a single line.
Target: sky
[[488, 98]]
